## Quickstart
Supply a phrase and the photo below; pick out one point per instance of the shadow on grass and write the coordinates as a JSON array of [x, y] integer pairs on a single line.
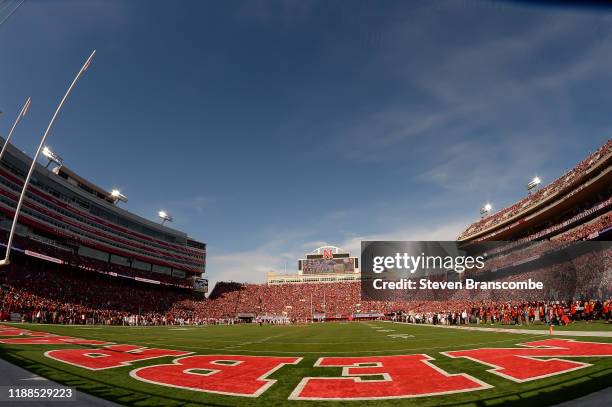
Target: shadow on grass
[[86, 383], [555, 393]]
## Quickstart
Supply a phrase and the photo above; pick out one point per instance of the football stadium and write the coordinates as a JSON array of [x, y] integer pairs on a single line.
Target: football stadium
[[102, 300], [104, 305]]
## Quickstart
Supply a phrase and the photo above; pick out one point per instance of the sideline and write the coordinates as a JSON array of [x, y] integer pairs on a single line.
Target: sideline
[[599, 398], [556, 332], [13, 375]]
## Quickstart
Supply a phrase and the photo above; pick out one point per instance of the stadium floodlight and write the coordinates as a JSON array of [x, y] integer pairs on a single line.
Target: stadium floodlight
[[534, 183], [6, 260], [165, 217], [118, 196], [22, 113], [52, 157], [486, 209]]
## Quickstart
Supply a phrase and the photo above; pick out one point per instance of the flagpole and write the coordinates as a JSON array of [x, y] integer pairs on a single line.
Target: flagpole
[[22, 113], [6, 261], [311, 310]]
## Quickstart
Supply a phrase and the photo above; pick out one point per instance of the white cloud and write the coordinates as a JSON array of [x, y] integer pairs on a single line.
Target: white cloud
[[252, 265], [445, 231]]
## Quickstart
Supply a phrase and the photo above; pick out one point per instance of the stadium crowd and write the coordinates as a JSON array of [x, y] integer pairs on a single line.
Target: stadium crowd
[[74, 293], [69, 300], [75, 296], [514, 313]]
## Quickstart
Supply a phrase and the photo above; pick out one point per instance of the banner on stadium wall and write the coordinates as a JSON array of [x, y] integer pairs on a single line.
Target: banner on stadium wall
[[146, 280], [43, 257], [593, 235]]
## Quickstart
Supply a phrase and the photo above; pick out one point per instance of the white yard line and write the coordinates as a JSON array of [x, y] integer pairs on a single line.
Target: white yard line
[[255, 342], [418, 348]]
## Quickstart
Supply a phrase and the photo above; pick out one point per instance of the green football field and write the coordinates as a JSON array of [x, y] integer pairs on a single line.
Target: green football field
[[311, 342]]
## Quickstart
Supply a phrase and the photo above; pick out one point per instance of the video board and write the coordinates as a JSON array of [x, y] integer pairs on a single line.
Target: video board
[[328, 266]]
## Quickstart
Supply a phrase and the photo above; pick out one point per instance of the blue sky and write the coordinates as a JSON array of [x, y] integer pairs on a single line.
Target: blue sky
[[268, 128]]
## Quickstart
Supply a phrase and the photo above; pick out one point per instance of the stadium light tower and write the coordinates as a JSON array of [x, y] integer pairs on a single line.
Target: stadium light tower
[[165, 217], [6, 261], [533, 183], [52, 157], [22, 113], [118, 196], [486, 209]]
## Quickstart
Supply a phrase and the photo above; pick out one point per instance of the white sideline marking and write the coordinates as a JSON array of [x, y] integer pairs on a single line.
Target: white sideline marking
[[556, 331]]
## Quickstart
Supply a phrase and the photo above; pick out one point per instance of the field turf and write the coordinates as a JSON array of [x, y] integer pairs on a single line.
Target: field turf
[[310, 342]]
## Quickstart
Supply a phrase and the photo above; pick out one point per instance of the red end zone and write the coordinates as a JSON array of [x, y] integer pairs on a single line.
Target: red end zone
[[51, 340], [362, 378], [392, 377], [10, 331], [41, 338], [109, 357], [222, 374], [538, 360]]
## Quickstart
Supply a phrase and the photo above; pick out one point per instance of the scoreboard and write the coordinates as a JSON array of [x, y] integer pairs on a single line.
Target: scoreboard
[[328, 266], [200, 284]]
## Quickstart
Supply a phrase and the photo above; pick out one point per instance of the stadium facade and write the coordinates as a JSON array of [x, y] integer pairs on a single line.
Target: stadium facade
[[68, 220], [575, 206]]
